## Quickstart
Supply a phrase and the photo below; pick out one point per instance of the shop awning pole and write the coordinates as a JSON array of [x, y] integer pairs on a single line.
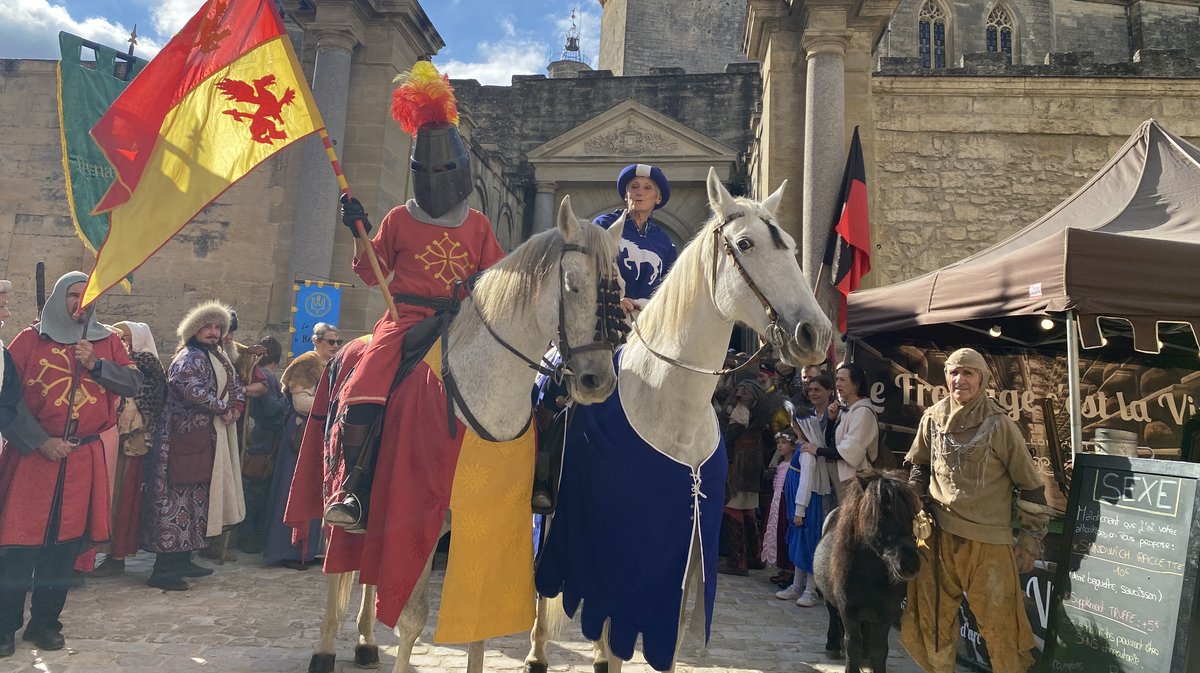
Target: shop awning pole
[[1073, 389]]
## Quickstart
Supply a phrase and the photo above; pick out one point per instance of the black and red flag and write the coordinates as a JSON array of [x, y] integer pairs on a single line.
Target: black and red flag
[[848, 252]]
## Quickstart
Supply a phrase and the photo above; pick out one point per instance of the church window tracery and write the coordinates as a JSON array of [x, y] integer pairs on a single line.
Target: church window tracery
[[931, 35], [1000, 28]]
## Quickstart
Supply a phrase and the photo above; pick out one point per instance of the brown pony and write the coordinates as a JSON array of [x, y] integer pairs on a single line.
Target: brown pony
[[863, 563]]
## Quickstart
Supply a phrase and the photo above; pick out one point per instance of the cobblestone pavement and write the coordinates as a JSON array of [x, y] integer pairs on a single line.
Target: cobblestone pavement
[[250, 617]]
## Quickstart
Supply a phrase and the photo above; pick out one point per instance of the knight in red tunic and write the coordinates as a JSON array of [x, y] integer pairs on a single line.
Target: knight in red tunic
[[54, 486], [429, 245]]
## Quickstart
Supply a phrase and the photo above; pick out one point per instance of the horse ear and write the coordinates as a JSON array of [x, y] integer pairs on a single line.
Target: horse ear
[[568, 224], [618, 227], [771, 204], [718, 197]]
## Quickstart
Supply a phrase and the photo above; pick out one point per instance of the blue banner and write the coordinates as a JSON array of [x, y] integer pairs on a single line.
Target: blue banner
[[315, 302]]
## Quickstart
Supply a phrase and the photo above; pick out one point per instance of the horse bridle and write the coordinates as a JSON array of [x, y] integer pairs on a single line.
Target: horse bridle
[[774, 333], [610, 333]]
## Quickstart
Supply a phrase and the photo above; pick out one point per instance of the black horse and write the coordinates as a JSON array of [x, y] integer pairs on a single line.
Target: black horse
[[863, 564]]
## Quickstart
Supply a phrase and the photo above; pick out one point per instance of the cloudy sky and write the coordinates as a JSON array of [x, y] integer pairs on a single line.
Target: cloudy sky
[[487, 40]]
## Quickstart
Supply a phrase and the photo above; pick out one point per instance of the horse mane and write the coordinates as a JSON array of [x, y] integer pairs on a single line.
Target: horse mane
[[691, 275], [508, 287], [870, 497]]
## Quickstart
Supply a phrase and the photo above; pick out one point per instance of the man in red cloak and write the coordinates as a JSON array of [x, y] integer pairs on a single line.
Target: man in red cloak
[[430, 244], [54, 483]]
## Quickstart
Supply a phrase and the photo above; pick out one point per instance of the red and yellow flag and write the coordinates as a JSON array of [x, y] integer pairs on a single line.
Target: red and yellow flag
[[223, 95]]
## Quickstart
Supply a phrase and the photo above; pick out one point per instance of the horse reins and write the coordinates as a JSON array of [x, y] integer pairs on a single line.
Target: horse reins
[[773, 328], [610, 334]]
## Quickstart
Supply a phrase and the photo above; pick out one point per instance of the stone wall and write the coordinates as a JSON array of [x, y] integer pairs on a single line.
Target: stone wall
[[964, 162], [1082, 25], [1162, 25], [700, 36], [1042, 26], [533, 110]]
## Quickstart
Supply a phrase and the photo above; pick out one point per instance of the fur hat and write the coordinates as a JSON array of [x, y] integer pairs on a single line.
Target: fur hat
[[211, 311]]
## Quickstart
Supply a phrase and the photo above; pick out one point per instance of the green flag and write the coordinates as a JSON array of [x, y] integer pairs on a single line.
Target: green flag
[[86, 89]]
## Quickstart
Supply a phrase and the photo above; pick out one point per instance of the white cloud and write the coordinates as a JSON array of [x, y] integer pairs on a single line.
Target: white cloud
[[170, 15], [508, 23], [29, 29], [501, 60]]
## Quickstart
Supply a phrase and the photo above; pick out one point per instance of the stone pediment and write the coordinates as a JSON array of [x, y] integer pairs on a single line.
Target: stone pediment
[[631, 132]]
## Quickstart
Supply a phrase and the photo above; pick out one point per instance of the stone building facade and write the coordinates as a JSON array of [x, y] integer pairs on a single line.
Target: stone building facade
[[1029, 29], [701, 36], [959, 154], [958, 157], [574, 135]]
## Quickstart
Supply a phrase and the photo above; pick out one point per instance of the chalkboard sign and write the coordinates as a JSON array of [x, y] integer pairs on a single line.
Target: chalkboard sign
[[1125, 597]]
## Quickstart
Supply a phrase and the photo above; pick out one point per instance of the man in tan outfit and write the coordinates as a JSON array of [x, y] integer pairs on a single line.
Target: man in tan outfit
[[970, 463]]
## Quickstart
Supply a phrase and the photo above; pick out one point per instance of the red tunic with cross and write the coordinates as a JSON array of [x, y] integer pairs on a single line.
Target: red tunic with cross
[[29, 484], [424, 260]]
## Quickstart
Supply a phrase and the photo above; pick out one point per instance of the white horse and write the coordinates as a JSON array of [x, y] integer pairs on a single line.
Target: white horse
[[741, 267], [547, 290]]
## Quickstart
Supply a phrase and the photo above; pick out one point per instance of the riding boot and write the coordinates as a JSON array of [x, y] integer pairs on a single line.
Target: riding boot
[[358, 432], [552, 428], [734, 532], [753, 541]]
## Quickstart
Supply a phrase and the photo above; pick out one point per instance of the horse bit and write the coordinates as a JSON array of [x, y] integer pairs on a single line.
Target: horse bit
[[774, 335], [610, 333]]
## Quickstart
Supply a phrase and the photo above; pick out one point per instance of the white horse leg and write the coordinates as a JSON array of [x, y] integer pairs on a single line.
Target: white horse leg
[[475, 657], [337, 603], [603, 660], [413, 617], [366, 653], [535, 661]]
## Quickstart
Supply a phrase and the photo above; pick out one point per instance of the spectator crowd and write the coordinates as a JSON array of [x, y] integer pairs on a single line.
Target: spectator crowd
[[110, 451]]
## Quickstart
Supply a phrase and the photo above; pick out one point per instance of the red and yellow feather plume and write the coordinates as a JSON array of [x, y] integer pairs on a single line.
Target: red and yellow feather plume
[[423, 97]]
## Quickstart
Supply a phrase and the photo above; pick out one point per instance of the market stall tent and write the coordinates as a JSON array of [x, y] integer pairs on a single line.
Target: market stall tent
[[1126, 245]]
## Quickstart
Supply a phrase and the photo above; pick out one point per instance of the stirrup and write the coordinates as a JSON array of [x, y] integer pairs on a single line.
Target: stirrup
[[541, 502], [346, 514]]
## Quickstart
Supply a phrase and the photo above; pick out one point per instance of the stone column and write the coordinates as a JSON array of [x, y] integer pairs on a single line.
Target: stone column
[[543, 206], [824, 146], [317, 193]]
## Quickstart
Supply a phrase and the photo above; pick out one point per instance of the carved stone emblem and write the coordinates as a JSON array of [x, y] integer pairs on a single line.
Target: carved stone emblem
[[628, 141]]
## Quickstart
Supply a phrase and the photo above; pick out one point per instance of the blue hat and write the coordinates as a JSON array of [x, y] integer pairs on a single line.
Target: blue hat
[[645, 171]]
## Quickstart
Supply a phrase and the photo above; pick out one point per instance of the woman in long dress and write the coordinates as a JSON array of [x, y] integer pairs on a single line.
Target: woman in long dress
[[299, 383]]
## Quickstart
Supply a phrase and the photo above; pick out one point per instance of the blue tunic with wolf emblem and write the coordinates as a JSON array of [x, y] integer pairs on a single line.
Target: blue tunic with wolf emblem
[[621, 535], [644, 257]]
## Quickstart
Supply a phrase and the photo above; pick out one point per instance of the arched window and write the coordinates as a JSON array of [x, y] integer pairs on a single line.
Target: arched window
[[931, 32], [1000, 31]]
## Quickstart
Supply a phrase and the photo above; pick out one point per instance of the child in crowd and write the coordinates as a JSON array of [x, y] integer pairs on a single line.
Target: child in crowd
[[806, 482], [775, 549]]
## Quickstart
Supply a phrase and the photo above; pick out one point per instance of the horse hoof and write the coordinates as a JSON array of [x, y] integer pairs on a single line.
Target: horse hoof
[[601, 667], [366, 656], [322, 663], [534, 667], [835, 655]]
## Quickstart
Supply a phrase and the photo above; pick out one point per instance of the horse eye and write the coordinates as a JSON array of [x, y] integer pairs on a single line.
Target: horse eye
[[745, 244]]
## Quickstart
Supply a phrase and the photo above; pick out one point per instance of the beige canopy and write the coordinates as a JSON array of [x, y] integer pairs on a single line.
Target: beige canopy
[[1126, 245]]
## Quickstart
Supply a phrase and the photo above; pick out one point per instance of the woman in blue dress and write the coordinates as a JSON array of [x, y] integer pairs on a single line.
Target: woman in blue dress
[[803, 490]]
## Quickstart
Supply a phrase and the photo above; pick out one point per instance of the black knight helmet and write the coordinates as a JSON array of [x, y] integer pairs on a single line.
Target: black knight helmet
[[425, 106]]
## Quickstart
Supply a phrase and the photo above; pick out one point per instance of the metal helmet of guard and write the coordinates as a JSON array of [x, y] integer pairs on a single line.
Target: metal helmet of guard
[[441, 168], [425, 106]]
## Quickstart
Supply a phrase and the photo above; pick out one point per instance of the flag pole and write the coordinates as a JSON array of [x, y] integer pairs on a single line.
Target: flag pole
[[817, 278], [358, 225]]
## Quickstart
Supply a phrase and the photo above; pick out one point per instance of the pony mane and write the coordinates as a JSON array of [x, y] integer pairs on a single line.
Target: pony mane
[[870, 497], [692, 275], [508, 288]]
